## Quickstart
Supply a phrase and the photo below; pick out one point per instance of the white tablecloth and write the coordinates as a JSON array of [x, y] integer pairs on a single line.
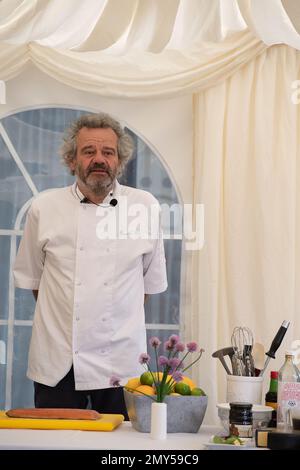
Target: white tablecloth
[[123, 437]]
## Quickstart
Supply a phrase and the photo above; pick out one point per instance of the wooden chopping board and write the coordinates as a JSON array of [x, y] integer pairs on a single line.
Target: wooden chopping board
[[107, 422]]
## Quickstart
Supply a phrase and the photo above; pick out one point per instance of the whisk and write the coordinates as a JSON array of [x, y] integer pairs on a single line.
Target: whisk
[[242, 342]]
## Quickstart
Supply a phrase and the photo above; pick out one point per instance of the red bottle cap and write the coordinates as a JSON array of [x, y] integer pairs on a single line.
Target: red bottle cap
[[274, 374]]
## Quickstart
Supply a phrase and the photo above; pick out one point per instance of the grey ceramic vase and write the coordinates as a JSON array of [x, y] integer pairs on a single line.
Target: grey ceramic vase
[[184, 413]]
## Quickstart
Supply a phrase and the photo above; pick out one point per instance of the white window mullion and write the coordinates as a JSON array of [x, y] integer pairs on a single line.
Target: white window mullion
[[162, 326], [18, 160], [10, 326]]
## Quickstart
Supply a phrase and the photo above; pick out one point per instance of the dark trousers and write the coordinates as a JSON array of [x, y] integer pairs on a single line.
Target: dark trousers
[[64, 395]]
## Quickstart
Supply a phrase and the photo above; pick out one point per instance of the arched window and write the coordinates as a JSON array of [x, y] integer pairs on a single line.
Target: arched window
[[29, 164]]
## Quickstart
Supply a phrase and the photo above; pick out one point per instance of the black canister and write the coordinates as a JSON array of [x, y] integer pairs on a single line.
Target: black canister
[[240, 420]]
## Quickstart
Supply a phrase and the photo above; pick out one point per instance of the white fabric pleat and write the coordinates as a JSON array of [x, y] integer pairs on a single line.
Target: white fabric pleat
[[140, 48], [247, 177]]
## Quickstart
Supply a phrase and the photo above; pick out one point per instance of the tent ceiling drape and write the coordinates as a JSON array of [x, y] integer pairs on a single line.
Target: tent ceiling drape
[[140, 48]]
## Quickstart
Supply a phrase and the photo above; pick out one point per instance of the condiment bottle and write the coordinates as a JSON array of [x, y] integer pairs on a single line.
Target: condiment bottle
[[271, 397], [288, 391]]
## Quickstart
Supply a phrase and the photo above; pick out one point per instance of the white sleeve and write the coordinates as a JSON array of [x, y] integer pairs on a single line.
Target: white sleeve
[[30, 258], [155, 273]]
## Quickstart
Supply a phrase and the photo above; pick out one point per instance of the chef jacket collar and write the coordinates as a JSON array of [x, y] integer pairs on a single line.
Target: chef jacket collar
[[114, 193]]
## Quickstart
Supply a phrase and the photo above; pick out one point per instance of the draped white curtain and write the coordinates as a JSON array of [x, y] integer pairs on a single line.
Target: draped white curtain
[[239, 58], [247, 172]]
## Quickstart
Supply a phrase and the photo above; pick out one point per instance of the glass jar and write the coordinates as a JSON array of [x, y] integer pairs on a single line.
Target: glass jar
[[241, 420]]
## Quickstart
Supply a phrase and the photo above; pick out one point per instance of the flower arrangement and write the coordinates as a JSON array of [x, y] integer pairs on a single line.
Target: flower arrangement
[[169, 367]]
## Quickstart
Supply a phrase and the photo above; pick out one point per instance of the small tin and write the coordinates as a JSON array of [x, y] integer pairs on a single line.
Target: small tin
[[241, 420]]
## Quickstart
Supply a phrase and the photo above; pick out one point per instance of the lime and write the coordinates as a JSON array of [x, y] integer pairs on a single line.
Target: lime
[[146, 378], [188, 381], [198, 392], [182, 388], [166, 389]]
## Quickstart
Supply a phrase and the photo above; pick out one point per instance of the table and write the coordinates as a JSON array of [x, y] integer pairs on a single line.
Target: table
[[123, 437]]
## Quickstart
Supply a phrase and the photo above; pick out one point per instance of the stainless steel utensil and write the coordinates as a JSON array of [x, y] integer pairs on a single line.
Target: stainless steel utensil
[[241, 337], [221, 353], [248, 361]]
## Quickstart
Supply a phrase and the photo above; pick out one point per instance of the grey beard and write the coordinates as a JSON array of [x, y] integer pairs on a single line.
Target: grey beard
[[96, 186]]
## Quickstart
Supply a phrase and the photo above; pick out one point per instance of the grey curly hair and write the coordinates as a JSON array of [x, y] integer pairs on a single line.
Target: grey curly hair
[[125, 144]]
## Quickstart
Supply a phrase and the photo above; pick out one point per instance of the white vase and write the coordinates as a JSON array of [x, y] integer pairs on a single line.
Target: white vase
[[158, 420]]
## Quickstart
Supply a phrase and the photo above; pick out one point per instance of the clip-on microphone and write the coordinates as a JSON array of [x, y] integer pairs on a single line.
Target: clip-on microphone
[[85, 200]]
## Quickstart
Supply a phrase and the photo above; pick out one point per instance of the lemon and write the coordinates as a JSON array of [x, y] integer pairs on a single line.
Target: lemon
[[198, 392], [175, 394], [133, 383], [144, 389], [158, 376], [182, 388], [146, 378]]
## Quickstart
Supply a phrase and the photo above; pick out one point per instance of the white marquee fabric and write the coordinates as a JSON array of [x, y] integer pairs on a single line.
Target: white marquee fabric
[[239, 58], [140, 48], [247, 177]]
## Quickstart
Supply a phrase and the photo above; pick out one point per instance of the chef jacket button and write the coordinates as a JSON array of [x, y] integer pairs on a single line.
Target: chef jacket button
[[81, 248], [106, 283], [77, 318], [78, 283], [76, 352], [104, 319]]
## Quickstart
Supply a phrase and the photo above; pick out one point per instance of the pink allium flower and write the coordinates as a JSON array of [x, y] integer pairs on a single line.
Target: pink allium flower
[[192, 346], [174, 339], [168, 346], [174, 362], [177, 376], [144, 358], [154, 342], [114, 381], [169, 367], [163, 361], [180, 347]]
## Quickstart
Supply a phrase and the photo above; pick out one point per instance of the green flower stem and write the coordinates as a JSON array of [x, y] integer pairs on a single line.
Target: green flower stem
[[192, 363], [156, 359], [182, 360], [152, 375], [157, 372]]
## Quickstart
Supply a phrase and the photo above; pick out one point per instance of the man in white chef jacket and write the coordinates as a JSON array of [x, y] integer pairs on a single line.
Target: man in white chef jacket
[[89, 268]]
